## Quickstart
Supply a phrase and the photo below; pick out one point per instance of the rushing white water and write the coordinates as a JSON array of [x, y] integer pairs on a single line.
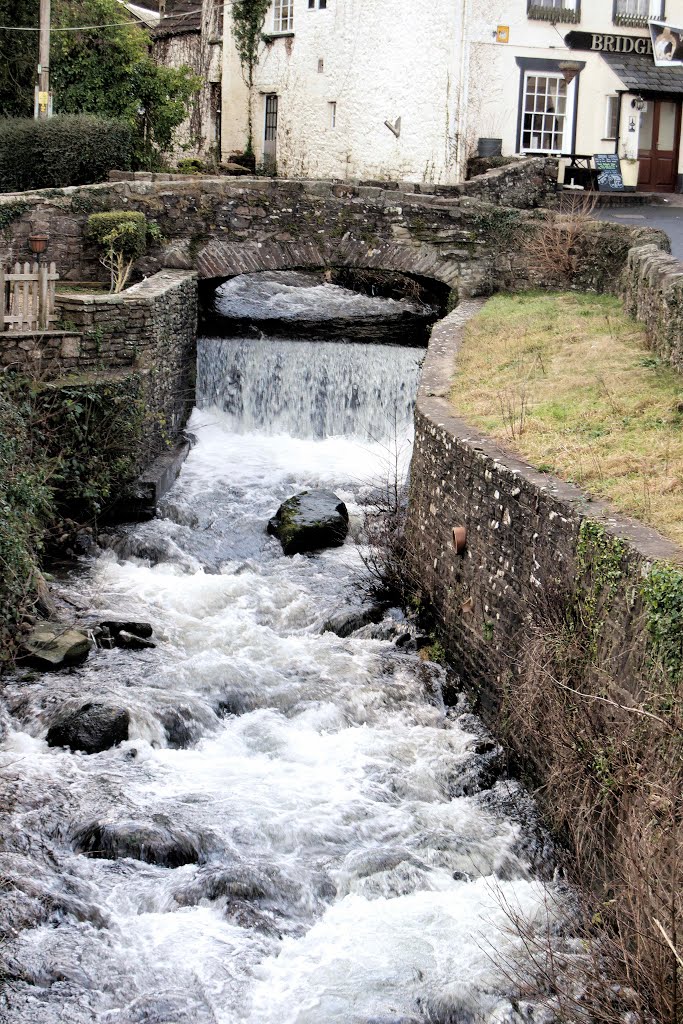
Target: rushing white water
[[292, 295], [354, 858]]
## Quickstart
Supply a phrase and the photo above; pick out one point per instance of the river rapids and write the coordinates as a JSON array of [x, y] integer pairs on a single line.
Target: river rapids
[[357, 852]]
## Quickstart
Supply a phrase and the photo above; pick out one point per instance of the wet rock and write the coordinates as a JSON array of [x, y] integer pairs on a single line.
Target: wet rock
[[142, 629], [348, 620], [310, 521], [45, 604], [51, 646], [131, 641], [179, 726], [153, 844], [91, 728], [103, 638], [83, 543]]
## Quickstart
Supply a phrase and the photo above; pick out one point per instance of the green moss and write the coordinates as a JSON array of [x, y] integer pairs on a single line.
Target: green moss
[[599, 572], [663, 595]]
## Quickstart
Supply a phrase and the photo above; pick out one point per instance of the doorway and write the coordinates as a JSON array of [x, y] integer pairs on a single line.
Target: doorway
[[270, 135], [660, 132]]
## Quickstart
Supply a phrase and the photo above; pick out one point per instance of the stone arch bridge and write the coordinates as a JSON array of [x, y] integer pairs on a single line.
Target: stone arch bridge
[[220, 227]]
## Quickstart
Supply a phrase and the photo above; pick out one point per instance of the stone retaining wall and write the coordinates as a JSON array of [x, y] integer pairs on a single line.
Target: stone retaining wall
[[40, 351], [523, 532], [151, 327], [653, 294]]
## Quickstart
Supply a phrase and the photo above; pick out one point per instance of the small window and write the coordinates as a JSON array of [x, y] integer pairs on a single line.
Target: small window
[[333, 114], [322, 4], [554, 10], [612, 118], [283, 15], [311, 5], [321, 65], [637, 12]]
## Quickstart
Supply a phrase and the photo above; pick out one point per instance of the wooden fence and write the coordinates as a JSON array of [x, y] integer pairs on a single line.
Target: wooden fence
[[27, 297]]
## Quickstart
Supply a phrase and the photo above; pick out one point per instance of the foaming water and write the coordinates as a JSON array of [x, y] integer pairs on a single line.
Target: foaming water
[[353, 860]]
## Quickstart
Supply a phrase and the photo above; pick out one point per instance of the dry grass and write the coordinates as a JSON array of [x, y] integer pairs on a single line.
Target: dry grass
[[567, 382]]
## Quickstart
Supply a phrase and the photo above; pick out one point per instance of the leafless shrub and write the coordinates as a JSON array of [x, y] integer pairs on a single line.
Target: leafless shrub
[[514, 407], [612, 768], [553, 248]]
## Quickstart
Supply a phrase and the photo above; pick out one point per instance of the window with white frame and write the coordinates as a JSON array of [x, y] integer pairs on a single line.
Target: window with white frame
[[283, 15], [332, 109], [612, 117], [544, 113]]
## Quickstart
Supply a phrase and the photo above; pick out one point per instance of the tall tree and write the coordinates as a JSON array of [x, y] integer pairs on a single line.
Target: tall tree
[[105, 70]]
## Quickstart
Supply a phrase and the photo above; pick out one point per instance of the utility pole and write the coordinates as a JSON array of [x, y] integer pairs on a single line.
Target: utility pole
[[43, 100]]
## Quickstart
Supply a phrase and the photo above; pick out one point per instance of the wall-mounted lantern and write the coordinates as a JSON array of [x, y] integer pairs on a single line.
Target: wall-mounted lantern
[[638, 103]]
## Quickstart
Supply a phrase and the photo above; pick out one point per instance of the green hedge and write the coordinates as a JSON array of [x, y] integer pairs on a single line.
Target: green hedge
[[68, 150]]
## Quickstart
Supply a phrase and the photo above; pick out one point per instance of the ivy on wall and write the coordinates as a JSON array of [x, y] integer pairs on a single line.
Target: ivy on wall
[[248, 17]]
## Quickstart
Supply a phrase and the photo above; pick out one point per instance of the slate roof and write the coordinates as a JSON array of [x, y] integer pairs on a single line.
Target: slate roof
[[639, 73], [181, 16]]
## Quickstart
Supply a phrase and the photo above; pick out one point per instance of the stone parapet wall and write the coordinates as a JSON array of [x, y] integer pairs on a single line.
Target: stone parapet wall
[[652, 285], [522, 184], [331, 221]]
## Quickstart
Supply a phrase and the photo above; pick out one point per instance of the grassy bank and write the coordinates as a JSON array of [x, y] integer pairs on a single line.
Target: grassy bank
[[566, 381]]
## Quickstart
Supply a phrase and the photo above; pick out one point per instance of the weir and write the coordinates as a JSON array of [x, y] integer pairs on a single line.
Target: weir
[[315, 837]]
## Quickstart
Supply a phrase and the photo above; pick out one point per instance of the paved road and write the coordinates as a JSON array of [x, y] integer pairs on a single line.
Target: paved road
[[670, 218]]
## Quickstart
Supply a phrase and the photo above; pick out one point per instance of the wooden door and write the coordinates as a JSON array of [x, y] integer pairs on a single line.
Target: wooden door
[[660, 132], [270, 135]]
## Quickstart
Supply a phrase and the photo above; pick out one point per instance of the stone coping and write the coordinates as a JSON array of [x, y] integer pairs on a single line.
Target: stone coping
[[147, 290], [433, 402]]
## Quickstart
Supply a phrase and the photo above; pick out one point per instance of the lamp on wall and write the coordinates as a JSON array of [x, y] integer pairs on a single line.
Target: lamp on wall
[[638, 103]]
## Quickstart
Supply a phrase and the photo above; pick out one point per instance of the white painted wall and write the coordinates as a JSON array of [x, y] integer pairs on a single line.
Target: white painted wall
[[383, 59]]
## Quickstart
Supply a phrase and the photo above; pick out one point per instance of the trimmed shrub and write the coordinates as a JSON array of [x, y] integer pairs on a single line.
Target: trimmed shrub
[[68, 150], [122, 237]]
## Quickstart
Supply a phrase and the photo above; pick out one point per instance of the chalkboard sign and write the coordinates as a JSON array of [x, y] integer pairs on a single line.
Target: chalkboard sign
[[609, 172]]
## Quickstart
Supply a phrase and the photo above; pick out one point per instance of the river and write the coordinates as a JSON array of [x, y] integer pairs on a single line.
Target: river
[[354, 846]]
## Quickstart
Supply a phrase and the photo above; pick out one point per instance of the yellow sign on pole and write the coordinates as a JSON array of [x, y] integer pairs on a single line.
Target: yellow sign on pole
[[503, 34], [43, 100]]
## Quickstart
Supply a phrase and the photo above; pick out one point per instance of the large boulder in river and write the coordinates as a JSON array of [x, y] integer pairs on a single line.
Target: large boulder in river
[[51, 646], [310, 521], [153, 844], [91, 728]]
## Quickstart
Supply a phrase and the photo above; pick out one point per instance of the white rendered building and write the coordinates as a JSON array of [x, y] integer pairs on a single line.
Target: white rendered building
[[406, 89]]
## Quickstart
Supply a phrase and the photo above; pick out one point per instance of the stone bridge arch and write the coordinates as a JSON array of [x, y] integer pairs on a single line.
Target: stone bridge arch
[[219, 260]]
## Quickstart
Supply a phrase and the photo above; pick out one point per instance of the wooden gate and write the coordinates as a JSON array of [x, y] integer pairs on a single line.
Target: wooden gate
[[27, 297]]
